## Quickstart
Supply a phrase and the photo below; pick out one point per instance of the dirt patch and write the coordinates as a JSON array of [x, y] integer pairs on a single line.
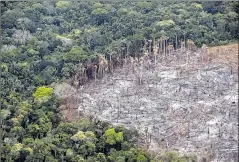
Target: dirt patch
[[227, 54]]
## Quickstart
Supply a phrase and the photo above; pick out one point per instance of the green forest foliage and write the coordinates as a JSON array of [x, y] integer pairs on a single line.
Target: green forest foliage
[[43, 92], [43, 42]]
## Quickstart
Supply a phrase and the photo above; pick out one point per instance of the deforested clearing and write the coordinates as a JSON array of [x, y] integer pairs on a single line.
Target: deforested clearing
[[186, 105]]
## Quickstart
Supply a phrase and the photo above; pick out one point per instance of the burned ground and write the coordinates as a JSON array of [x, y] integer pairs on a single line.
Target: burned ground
[[189, 107]]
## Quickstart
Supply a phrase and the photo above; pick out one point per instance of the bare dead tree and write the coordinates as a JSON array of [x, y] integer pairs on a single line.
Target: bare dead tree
[[170, 48], [110, 63], [150, 47], [183, 45], [204, 50], [103, 63], [190, 44], [95, 72]]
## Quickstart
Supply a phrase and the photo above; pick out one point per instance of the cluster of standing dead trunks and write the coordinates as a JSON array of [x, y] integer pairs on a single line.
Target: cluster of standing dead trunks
[[151, 50]]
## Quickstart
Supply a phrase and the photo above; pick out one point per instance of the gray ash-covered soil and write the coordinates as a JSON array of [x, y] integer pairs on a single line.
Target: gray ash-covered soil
[[190, 108]]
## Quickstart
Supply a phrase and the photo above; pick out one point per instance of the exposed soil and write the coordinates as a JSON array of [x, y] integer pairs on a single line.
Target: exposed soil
[[191, 108]]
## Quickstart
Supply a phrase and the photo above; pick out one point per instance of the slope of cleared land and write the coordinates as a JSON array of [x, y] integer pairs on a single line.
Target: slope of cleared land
[[184, 105]]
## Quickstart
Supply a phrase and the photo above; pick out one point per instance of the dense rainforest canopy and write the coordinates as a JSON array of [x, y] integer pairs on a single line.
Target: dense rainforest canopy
[[46, 42]]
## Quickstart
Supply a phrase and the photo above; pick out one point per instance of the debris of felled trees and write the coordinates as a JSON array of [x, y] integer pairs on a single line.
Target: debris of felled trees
[[180, 103], [176, 98]]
